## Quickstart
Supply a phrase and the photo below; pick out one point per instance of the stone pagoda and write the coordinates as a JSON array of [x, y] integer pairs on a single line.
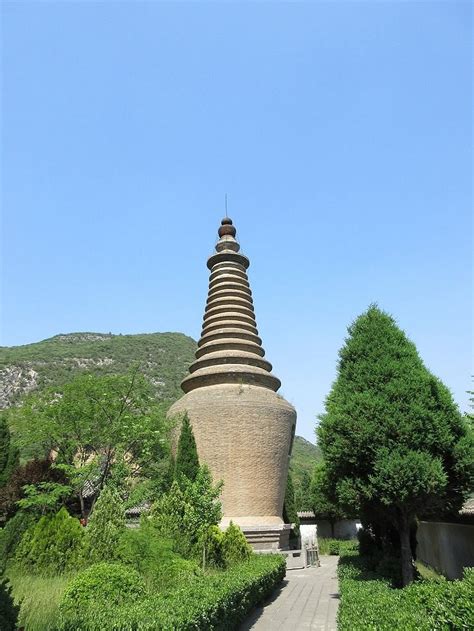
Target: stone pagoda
[[243, 429]]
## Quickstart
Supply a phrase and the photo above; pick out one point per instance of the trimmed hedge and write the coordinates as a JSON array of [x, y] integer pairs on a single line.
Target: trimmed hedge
[[337, 546], [216, 601], [370, 603]]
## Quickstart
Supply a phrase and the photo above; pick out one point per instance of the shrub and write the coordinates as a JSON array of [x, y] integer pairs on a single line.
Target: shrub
[[336, 546], [11, 534], [105, 527], [103, 586], [368, 600], [186, 512], [153, 558], [234, 545], [219, 600], [212, 544], [52, 545]]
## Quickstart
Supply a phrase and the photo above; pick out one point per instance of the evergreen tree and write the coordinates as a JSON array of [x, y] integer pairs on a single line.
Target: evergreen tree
[[8, 452], [394, 442], [105, 527], [290, 516], [235, 547], [187, 462], [322, 503], [51, 545]]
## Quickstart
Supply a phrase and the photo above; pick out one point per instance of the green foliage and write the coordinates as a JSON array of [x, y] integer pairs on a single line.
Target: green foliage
[[304, 456], [234, 546], [32, 473], [105, 527], [368, 600], [290, 515], [8, 610], [11, 534], [336, 546], [185, 513], [208, 602], [44, 497], [187, 462], [154, 558], [9, 455], [107, 585], [211, 544], [394, 443], [163, 358], [99, 427], [322, 503], [52, 545]]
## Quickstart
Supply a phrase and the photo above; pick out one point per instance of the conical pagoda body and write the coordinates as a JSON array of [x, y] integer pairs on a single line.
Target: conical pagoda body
[[243, 429]]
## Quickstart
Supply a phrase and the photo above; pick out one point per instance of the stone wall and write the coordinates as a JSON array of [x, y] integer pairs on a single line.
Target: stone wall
[[448, 548]]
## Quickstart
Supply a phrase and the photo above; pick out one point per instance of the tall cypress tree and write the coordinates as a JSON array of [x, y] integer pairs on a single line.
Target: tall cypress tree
[[187, 462], [394, 443]]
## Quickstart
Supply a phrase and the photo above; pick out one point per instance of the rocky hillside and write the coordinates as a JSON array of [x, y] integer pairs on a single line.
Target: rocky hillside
[[163, 357]]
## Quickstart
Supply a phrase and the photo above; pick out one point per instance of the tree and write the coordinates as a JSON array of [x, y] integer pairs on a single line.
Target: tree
[[322, 503], [51, 545], [94, 426], [33, 473], [9, 456], [394, 442], [187, 462], [290, 516], [235, 547], [302, 486], [185, 513], [105, 527]]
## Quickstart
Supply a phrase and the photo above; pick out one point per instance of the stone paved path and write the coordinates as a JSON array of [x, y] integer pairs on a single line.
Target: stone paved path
[[307, 599]]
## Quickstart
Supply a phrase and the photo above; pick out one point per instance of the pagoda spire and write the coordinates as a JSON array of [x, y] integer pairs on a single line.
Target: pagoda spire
[[229, 350]]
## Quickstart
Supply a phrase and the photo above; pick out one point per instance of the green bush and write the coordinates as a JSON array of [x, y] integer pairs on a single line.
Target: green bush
[[105, 527], [234, 545], [52, 545], [11, 534], [212, 544], [154, 558], [369, 601], [216, 601], [336, 546], [103, 585]]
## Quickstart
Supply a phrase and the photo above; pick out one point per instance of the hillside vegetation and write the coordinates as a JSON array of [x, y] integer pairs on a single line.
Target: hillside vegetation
[[162, 357]]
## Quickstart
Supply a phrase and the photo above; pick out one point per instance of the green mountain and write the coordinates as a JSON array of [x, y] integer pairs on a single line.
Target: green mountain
[[303, 458], [163, 358]]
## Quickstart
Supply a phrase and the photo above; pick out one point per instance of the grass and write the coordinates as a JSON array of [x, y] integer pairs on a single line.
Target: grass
[[38, 597], [428, 573]]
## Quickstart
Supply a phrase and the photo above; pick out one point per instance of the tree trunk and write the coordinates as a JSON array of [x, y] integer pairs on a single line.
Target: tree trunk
[[81, 501], [407, 563]]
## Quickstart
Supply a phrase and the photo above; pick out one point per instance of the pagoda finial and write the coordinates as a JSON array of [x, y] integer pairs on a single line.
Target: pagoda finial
[[227, 234]]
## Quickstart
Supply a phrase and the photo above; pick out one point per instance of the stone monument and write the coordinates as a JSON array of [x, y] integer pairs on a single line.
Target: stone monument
[[243, 429]]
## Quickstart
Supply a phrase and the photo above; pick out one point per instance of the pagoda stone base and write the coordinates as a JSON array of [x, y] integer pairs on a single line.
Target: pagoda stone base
[[268, 538]]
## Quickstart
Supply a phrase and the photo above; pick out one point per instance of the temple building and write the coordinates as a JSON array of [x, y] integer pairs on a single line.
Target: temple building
[[243, 428]]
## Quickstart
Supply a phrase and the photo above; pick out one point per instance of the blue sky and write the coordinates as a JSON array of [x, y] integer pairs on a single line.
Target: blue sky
[[340, 131]]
